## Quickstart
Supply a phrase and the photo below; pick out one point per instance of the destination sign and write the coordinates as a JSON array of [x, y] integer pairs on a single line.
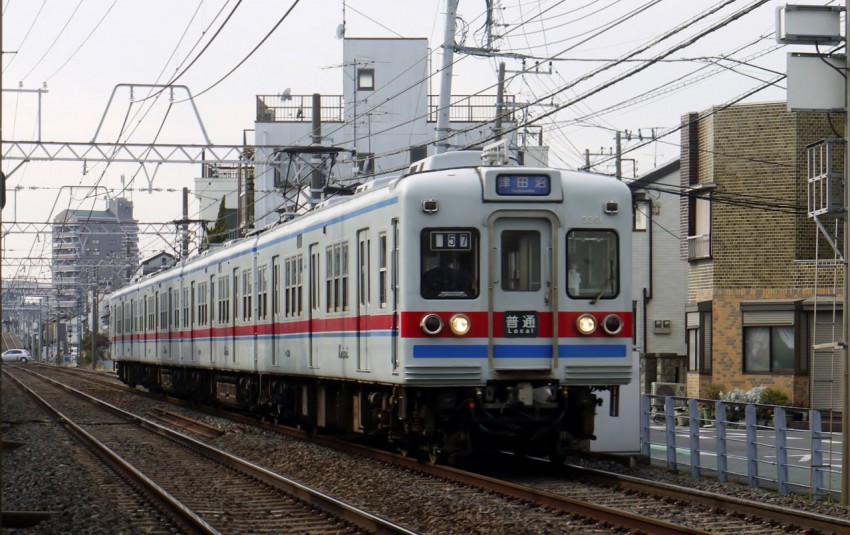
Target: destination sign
[[526, 185]]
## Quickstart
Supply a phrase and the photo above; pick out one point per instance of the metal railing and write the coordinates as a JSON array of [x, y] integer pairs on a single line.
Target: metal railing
[[699, 246], [784, 448]]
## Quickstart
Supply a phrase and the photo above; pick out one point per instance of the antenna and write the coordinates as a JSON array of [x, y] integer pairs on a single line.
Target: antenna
[[285, 95], [340, 31]]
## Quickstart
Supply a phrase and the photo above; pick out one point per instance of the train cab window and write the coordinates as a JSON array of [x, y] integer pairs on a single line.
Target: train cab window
[[449, 264], [521, 261], [593, 264]]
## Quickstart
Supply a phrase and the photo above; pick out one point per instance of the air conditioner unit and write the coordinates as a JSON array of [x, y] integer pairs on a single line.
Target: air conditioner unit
[[670, 389]]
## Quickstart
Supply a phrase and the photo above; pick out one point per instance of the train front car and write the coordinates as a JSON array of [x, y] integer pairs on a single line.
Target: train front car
[[515, 307]]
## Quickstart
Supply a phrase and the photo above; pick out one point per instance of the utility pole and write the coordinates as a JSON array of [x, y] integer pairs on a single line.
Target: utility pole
[[185, 249], [845, 311], [500, 101], [93, 325], [619, 158], [441, 143]]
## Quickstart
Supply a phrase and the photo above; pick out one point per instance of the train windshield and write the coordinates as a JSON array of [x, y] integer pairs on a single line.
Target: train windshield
[[449, 264], [593, 264]]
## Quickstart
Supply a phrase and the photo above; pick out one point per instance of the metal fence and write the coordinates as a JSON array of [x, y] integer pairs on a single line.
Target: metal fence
[[784, 448]]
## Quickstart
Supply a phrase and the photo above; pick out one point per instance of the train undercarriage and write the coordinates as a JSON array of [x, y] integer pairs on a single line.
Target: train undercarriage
[[437, 423]]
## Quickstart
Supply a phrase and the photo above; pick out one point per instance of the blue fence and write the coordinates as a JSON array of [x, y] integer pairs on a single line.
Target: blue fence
[[784, 448]]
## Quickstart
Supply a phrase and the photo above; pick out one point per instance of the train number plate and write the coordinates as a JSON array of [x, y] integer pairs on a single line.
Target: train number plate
[[521, 324]]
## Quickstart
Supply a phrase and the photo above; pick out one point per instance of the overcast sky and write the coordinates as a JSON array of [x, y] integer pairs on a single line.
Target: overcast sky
[[81, 49]]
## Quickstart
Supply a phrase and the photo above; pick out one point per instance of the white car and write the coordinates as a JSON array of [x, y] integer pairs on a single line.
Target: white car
[[16, 355]]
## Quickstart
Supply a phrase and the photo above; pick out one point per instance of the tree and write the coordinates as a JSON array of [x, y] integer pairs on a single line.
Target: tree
[[219, 232]]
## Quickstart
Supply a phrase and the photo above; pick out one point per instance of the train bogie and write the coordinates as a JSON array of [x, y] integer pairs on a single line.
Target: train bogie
[[448, 311]]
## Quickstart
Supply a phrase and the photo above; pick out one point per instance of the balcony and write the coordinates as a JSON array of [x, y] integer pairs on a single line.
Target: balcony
[[699, 247]]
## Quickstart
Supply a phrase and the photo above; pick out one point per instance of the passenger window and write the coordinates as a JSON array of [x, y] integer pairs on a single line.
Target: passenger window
[[449, 264], [593, 264]]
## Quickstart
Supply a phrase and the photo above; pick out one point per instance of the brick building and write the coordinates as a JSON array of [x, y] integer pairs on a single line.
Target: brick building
[[752, 253]]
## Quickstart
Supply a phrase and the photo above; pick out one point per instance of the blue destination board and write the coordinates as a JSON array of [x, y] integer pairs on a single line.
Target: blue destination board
[[528, 185]]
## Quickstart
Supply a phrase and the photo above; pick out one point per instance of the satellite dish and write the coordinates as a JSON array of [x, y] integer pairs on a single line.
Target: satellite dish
[[286, 95], [340, 31]]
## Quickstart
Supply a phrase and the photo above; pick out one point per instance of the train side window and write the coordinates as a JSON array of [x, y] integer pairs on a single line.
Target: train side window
[[246, 295], [449, 263], [593, 264]]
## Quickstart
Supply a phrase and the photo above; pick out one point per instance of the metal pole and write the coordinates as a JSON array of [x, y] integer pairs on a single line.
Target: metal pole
[[317, 179], [500, 101], [442, 140], [185, 249], [619, 161], [845, 312]]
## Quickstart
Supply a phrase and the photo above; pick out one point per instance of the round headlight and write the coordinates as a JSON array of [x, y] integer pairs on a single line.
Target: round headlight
[[612, 324], [431, 324], [586, 324], [459, 324]]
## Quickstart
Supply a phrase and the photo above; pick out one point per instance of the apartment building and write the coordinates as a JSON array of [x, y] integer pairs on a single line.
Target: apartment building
[[93, 248], [761, 277]]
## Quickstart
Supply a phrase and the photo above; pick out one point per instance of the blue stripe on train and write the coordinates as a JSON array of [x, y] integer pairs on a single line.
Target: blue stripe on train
[[519, 351]]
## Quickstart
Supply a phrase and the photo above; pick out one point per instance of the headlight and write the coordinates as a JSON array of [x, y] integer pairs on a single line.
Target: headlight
[[459, 324], [612, 324], [431, 324], [586, 324]]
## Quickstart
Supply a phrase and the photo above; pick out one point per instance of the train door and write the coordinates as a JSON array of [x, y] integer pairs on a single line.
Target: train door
[[363, 297], [234, 315], [210, 319], [314, 305], [394, 294], [523, 305], [275, 295], [192, 325]]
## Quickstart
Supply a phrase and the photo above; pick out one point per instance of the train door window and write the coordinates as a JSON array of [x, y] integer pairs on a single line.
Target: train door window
[[163, 311], [449, 263], [593, 264], [186, 308], [224, 299], [363, 268], [336, 277], [382, 269], [211, 302], [246, 295], [299, 286], [521, 261], [192, 319], [235, 294], [275, 288], [151, 312], [314, 278], [262, 292], [202, 304], [174, 308], [293, 286]]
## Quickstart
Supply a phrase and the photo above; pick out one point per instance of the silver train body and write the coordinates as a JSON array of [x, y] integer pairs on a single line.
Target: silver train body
[[457, 308]]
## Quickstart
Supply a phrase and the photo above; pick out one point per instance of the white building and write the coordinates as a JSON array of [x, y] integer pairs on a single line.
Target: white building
[[384, 120]]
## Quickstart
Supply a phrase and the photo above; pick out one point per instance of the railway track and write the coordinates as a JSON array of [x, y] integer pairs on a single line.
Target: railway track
[[201, 489], [621, 502]]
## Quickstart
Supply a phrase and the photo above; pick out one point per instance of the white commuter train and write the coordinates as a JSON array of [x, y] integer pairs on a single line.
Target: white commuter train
[[460, 307]]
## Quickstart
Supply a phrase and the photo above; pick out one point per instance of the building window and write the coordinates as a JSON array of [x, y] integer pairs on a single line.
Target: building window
[[418, 153], [699, 340], [365, 79], [640, 219], [699, 223], [769, 349], [772, 332], [366, 163]]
